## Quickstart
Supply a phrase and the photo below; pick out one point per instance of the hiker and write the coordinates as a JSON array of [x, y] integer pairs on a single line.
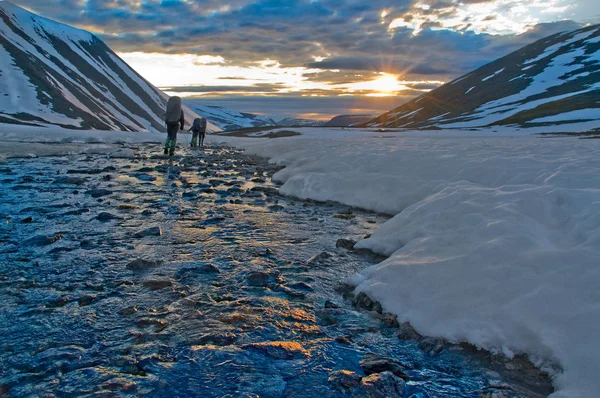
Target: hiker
[[174, 120], [198, 129]]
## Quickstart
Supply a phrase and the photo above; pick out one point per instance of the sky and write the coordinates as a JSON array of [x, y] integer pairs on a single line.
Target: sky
[[313, 58]]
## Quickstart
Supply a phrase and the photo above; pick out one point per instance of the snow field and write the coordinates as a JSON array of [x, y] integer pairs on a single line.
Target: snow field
[[495, 241]]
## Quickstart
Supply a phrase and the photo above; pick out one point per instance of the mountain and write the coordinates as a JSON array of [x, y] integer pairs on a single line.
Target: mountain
[[554, 81], [228, 119], [293, 122], [348, 120], [54, 74]]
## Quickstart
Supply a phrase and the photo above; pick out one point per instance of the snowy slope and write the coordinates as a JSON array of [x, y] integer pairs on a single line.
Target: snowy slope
[[227, 119], [348, 120], [554, 81], [54, 74], [495, 239]]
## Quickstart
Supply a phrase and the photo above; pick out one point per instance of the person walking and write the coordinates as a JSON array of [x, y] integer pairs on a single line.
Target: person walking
[[174, 120], [198, 129]]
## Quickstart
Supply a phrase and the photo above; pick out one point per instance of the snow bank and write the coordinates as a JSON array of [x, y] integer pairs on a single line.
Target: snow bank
[[496, 239]]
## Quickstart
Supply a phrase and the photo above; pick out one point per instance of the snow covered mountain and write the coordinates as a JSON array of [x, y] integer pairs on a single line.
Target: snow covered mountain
[[228, 119], [348, 120], [293, 122], [54, 74], [554, 81]]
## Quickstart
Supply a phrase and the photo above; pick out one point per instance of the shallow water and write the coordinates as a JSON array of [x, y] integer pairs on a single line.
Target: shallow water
[[235, 265]]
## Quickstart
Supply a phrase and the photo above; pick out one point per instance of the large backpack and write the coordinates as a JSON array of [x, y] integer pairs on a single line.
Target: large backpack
[[173, 114], [199, 125]]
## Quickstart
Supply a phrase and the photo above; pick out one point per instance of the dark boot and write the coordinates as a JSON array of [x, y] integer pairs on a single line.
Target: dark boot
[[171, 151], [166, 151]]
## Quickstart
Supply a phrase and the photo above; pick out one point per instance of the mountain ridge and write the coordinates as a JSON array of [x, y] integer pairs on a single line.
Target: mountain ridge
[[55, 74], [553, 81]]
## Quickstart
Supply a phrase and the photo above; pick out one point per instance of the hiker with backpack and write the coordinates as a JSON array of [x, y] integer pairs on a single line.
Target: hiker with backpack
[[198, 129], [174, 120]]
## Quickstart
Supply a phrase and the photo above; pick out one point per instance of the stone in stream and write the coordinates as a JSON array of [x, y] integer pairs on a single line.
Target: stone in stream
[[77, 212], [279, 349], [105, 216], [70, 180], [98, 193], [264, 279], [379, 385], [330, 304], [361, 300], [152, 231], [319, 258], [432, 345], [344, 380], [141, 264], [218, 339], [42, 240], [407, 332], [373, 363], [86, 300], [347, 244], [128, 310], [27, 220], [157, 284]]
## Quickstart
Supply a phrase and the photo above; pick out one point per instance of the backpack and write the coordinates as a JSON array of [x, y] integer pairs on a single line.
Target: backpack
[[199, 125], [173, 114]]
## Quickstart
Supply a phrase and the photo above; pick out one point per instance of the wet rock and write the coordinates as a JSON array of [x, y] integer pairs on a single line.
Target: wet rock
[[347, 244], [128, 310], [86, 300], [344, 380], [70, 180], [85, 171], [152, 231], [122, 153], [147, 212], [276, 208], [407, 332], [279, 349], [27, 220], [42, 240], [361, 300], [379, 385], [330, 304], [105, 216], [264, 279], [98, 193], [157, 284], [77, 212], [266, 190], [345, 216], [300, 286], [144, 177], [373, 363], [432, 345], [141, 264], [319, 258], [218, 339], [146, 322], [290, 292], [126, 207], [343, 340], [59, 302]]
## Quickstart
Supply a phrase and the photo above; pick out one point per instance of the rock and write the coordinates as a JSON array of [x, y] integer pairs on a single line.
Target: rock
[[59, 302], [27, 220], [147, 212], [319, 258], [69, 180], [157, 284], [276, 207], [77, 212], [345, 216], [218, 339], [343, 380], [373, 363], [330, 304], [98, 193], [152, 231], [42, 240], [432, 345], [209, 269], [300, 286], [122, 153], [126, 207], [380, 385], [105, 216], [279, 349], [264, 279], [407, 332], [361, 300], [86, 300], [347, 244], [141, 264], [128, 310]]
